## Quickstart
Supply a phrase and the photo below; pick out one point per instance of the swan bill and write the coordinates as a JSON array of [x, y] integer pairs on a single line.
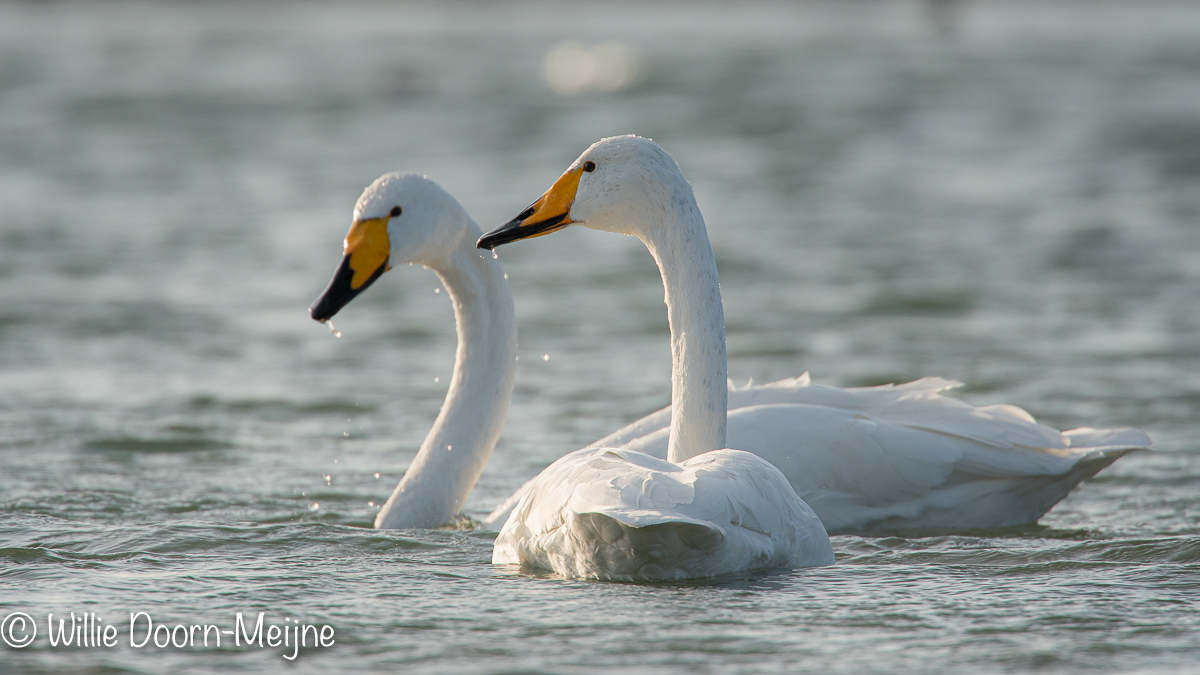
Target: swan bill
[[550, 213], [516, 230], [366, 258], [341, 291]]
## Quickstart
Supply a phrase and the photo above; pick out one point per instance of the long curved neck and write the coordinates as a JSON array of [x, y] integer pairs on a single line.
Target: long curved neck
[[699, 389], [454, 453]]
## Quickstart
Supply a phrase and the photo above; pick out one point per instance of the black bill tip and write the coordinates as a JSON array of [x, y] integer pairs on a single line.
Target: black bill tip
[[339, 292], [516, 229]]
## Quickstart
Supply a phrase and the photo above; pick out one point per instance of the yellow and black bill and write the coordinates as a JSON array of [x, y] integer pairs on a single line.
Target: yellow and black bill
[[550, 213], [366, 258]]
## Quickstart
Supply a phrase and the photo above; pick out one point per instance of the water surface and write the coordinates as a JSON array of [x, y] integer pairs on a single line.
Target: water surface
[[1013, 203]]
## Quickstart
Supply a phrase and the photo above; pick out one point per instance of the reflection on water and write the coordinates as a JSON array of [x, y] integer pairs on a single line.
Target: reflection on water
[[574, 68], [1000, 193]]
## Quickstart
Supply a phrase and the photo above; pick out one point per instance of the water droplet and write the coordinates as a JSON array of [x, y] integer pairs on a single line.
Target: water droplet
[[370, 503], [495, 255], [336, 333], [376, 475], [335, 461], [328, 478], [437, 379], [346, 434], [449, 448], [506, 276], [518, 357], [437, 291], [545, 357], [314, 506]]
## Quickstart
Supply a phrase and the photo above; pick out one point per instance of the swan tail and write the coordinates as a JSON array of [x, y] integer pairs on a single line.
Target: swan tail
[[1106, 439], [1095, 462], [1102, 447]]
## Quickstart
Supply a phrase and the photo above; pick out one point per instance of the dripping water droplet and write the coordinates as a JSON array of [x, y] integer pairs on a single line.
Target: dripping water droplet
[[495, 255], [335, 332]]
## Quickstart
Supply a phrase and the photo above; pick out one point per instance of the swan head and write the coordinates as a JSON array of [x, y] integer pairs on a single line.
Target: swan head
[[621, 184], [400, 218]]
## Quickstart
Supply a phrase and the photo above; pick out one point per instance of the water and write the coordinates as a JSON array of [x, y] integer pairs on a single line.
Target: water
[[1013, 204]]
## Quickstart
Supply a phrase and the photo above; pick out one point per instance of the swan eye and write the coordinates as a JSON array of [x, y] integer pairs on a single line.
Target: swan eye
[[589, 166], [396, 210]]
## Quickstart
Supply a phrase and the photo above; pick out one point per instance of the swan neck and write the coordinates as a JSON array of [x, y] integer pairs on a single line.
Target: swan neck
[[692, 292], [454, 453]]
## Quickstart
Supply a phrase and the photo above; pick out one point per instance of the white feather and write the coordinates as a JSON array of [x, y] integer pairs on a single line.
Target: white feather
[[898, 457]]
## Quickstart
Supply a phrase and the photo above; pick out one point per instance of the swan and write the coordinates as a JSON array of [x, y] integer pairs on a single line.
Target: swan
[[866, 460], [619, 513], [407, 218]]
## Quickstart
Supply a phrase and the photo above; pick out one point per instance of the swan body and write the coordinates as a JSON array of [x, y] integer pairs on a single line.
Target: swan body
[[897, 458]]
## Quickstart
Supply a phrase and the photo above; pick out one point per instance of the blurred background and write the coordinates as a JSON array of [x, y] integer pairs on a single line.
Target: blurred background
[[1005, 193]]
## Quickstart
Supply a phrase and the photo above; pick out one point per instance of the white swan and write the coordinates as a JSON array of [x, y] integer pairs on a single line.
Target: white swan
[[866, 459], [617, 513]]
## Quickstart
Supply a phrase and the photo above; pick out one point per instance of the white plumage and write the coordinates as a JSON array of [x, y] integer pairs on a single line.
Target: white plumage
[[705, 510], [875, 459], [893, 457], [618, 514], [898, 458]]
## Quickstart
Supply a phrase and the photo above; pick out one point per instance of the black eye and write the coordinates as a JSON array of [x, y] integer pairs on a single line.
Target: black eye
[[589, 166], [395, 211]]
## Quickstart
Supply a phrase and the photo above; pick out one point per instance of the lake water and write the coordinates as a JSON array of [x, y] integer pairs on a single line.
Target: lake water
[[1007, 194]]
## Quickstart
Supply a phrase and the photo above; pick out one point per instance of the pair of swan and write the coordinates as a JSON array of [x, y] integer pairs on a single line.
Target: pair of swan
[[662, 497]]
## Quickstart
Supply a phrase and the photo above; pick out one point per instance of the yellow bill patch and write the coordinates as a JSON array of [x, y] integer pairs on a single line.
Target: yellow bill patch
[[367, 246], [556, 201]]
